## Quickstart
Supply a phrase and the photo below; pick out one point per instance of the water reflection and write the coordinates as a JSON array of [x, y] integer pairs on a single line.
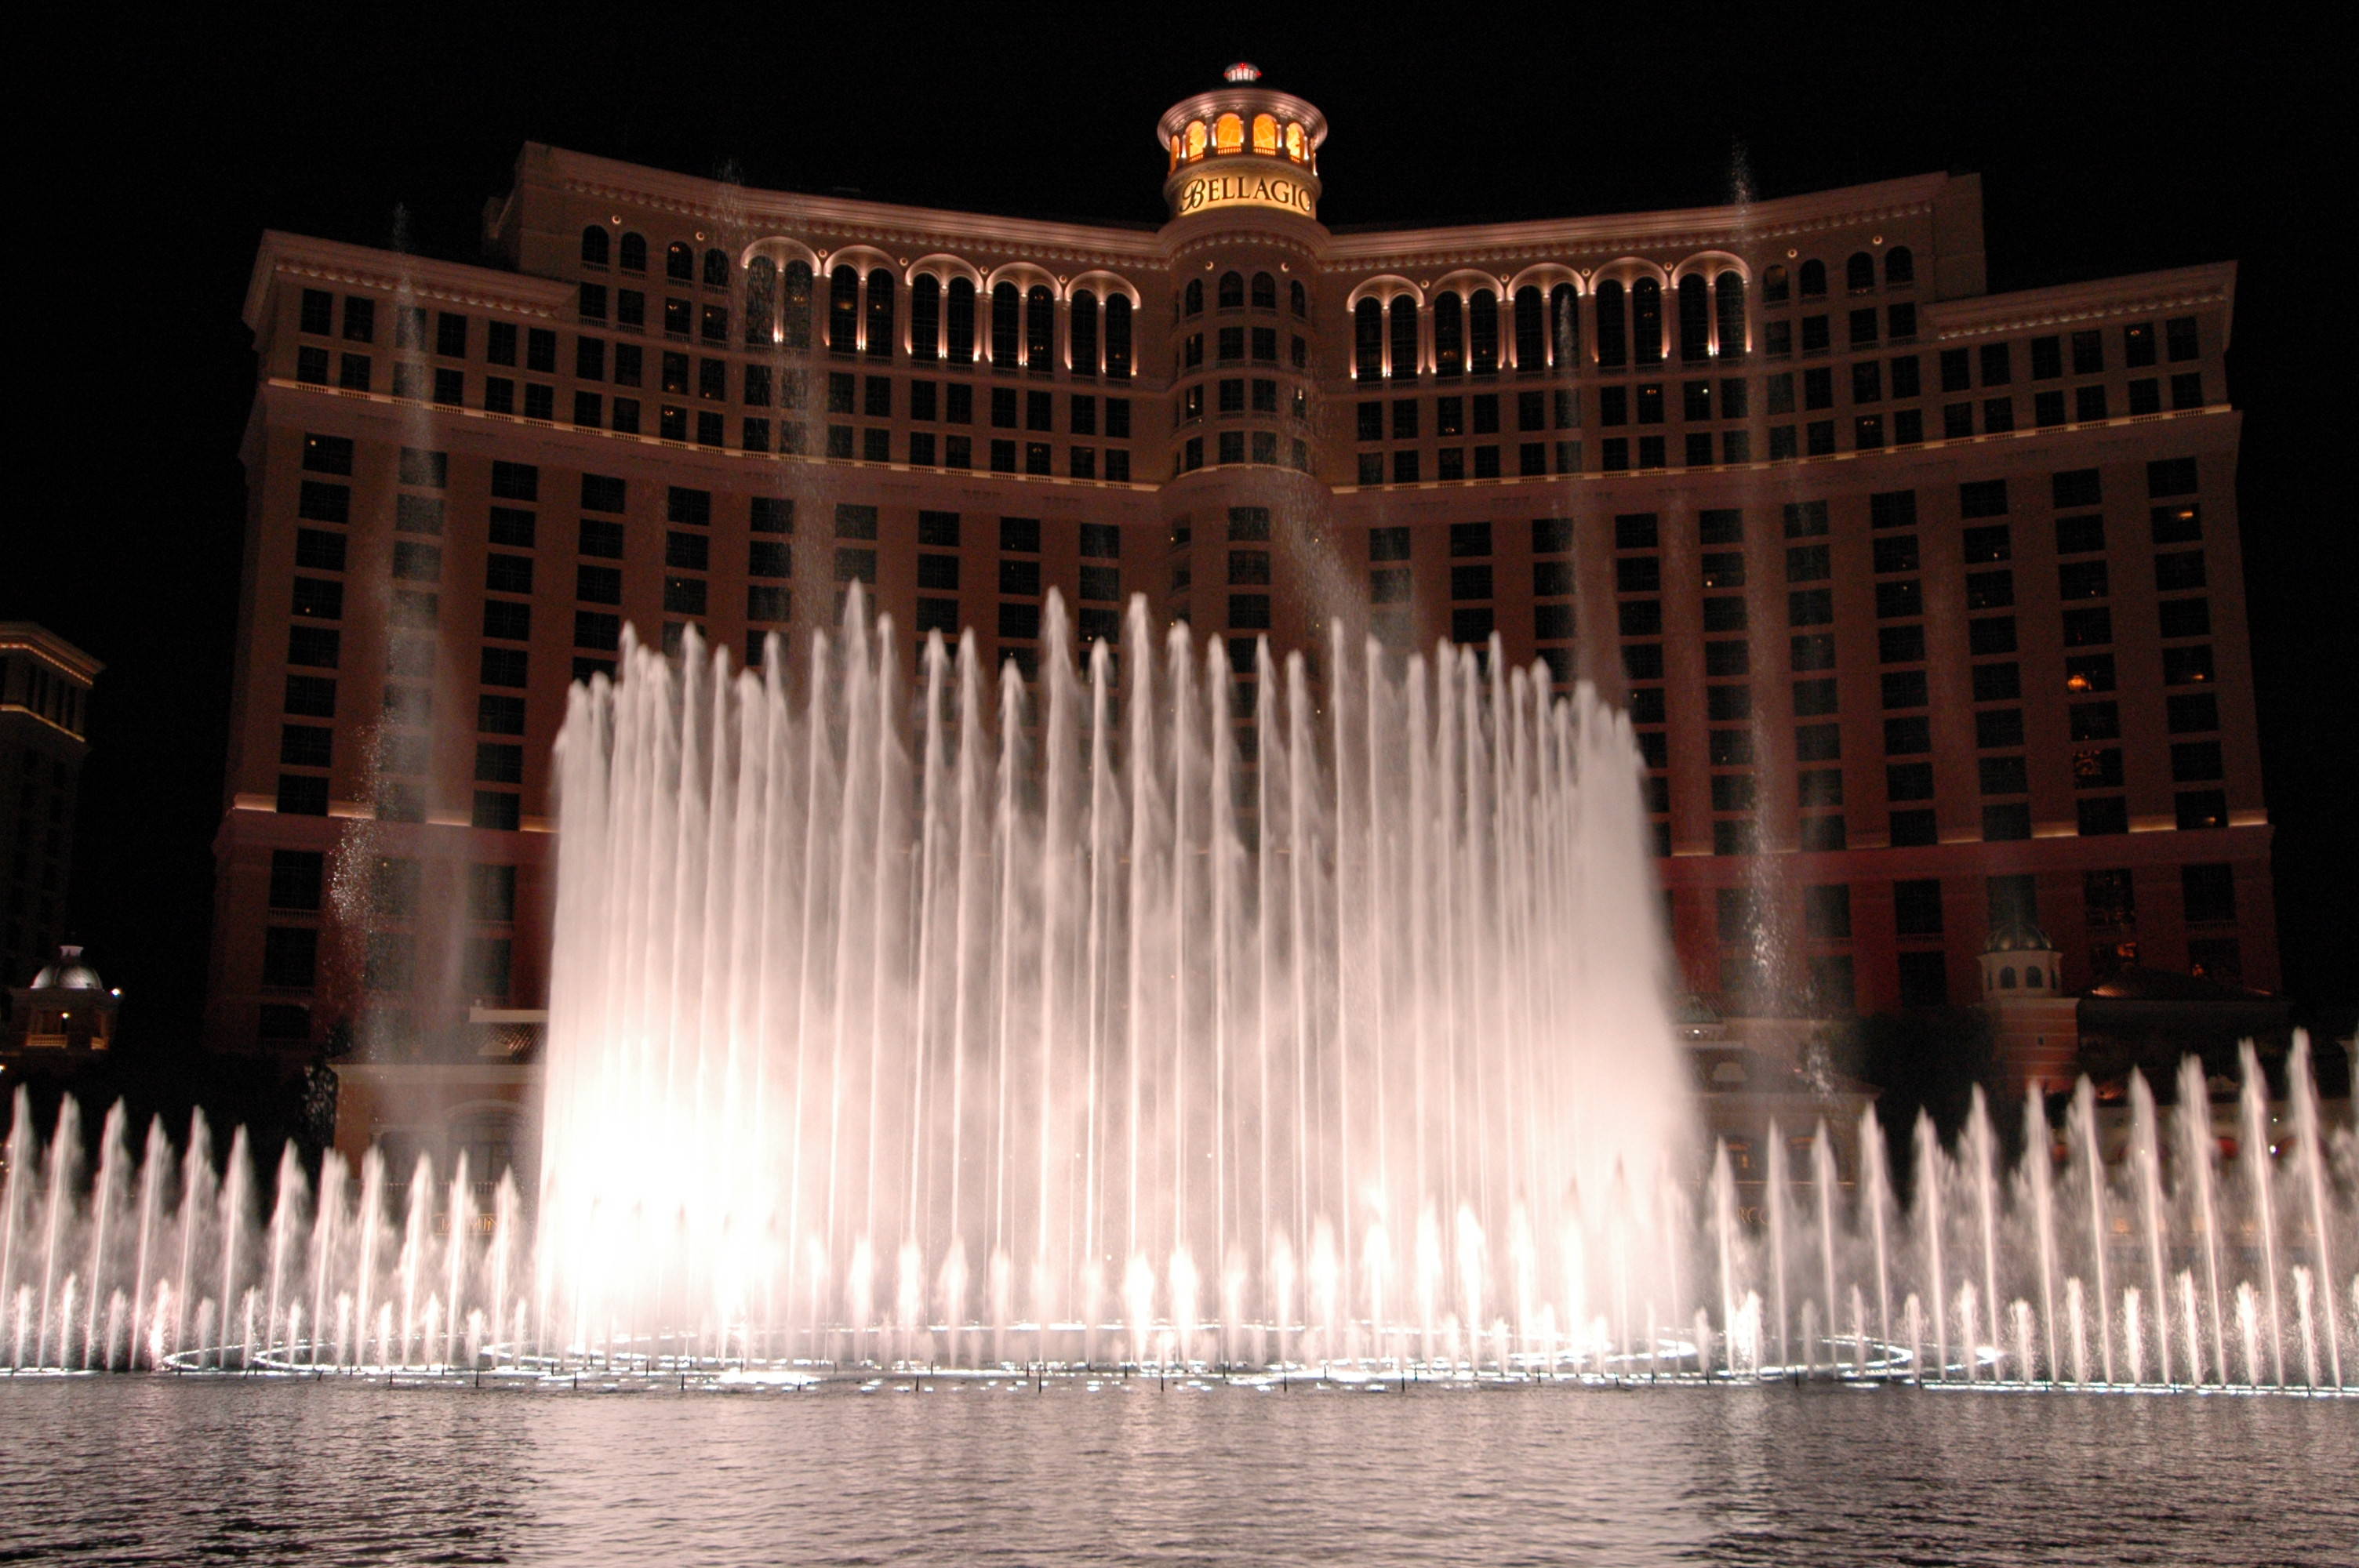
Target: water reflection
[[136, 1470]]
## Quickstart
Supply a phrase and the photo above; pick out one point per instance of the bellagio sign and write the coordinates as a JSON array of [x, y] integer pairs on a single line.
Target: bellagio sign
[[1245, 188]]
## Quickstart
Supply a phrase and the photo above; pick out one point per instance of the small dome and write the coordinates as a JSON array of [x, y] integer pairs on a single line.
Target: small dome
[[67, 972], [2017, 936]]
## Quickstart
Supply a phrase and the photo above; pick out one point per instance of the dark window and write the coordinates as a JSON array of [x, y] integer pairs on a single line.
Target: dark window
[[2201, 808], [1907, 736], [1998, 683], [2192, 712], [2185, 617], [2187, 666], [1990, 589], [2006, 822], [2211, 893], [1998, 727], [1904, 689]]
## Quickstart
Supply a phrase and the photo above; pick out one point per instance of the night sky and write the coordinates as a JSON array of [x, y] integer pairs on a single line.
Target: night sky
[[162, 156]]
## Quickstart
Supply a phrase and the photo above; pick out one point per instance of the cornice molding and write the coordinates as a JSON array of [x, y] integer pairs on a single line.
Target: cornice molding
[[1991, 314], [304, 257]]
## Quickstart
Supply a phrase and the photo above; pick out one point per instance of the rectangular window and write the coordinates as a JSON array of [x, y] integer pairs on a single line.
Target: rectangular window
[[2201, 808], [2210, 891], [2006, 822], [1907, 737], [1810, 607], [1900, 644]]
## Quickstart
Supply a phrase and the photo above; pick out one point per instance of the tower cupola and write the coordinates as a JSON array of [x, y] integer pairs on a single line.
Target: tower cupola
[[1242, 145]]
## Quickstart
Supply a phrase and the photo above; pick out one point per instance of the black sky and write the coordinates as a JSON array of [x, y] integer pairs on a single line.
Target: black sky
[[2107, 143]]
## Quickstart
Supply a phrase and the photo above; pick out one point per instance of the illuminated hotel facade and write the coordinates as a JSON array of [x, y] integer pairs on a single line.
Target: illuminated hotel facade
[[1926, 603]]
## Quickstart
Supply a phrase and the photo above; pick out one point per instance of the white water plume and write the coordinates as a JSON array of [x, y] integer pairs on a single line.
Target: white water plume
[[1069, 1006]]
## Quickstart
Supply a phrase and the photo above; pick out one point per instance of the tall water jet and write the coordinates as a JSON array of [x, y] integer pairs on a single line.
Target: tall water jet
[[2309, 1153], [2257, 1154], [994, 998]]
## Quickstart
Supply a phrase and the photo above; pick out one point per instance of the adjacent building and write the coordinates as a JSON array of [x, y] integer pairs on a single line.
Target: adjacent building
[[1926, 601], [45, 685]]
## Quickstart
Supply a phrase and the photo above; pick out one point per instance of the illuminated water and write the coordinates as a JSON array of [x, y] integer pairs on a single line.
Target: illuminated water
[[189, 1471], [900, 1021]]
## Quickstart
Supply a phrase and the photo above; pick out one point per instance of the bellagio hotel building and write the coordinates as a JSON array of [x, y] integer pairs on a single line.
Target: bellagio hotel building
[[1926, 603]]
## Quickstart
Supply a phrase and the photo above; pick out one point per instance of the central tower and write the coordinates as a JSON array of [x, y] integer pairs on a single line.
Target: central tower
[[1245, 244], [1242, 145]]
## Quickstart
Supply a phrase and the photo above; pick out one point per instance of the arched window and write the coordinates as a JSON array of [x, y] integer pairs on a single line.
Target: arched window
[[1265, 128], [2034, 979], [880, 312], [795, 315], [1039, 326], [761, 300], [1368, 340], [962, 322], [1118, 337], [1194, 294], [1728, 294], [1646, 322], [1083, 333], [1006, 325], [1233, 291], [2006, 979], [1564, 327], [1196, 138], [1404, 344], [925, 316], [594, 246], [716, 269], [680, 261], [1776, 287], [1859, 273], [634, 253], [844, 309], [1531, 330], [1229, 134], [1483, 332], [1264, 292], [1813, 281], [1449, 335], [1612, 325], [1298, 298], [1899, 265], [1695, 320], [1294, 140]]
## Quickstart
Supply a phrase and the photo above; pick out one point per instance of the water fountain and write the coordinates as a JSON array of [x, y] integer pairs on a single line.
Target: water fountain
[[921, 1019]]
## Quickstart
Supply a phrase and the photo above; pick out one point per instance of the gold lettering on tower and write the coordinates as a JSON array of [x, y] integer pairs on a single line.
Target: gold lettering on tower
[[1282, 191]]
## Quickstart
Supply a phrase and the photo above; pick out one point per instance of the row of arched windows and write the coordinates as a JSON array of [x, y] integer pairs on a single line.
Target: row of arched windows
[[1810, 278], [1231, 133], [1233, 292], [863, 307], [628, 252], [1461, 333]]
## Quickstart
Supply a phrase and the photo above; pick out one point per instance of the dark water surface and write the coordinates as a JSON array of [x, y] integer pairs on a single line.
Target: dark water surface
[[157, 1470]]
